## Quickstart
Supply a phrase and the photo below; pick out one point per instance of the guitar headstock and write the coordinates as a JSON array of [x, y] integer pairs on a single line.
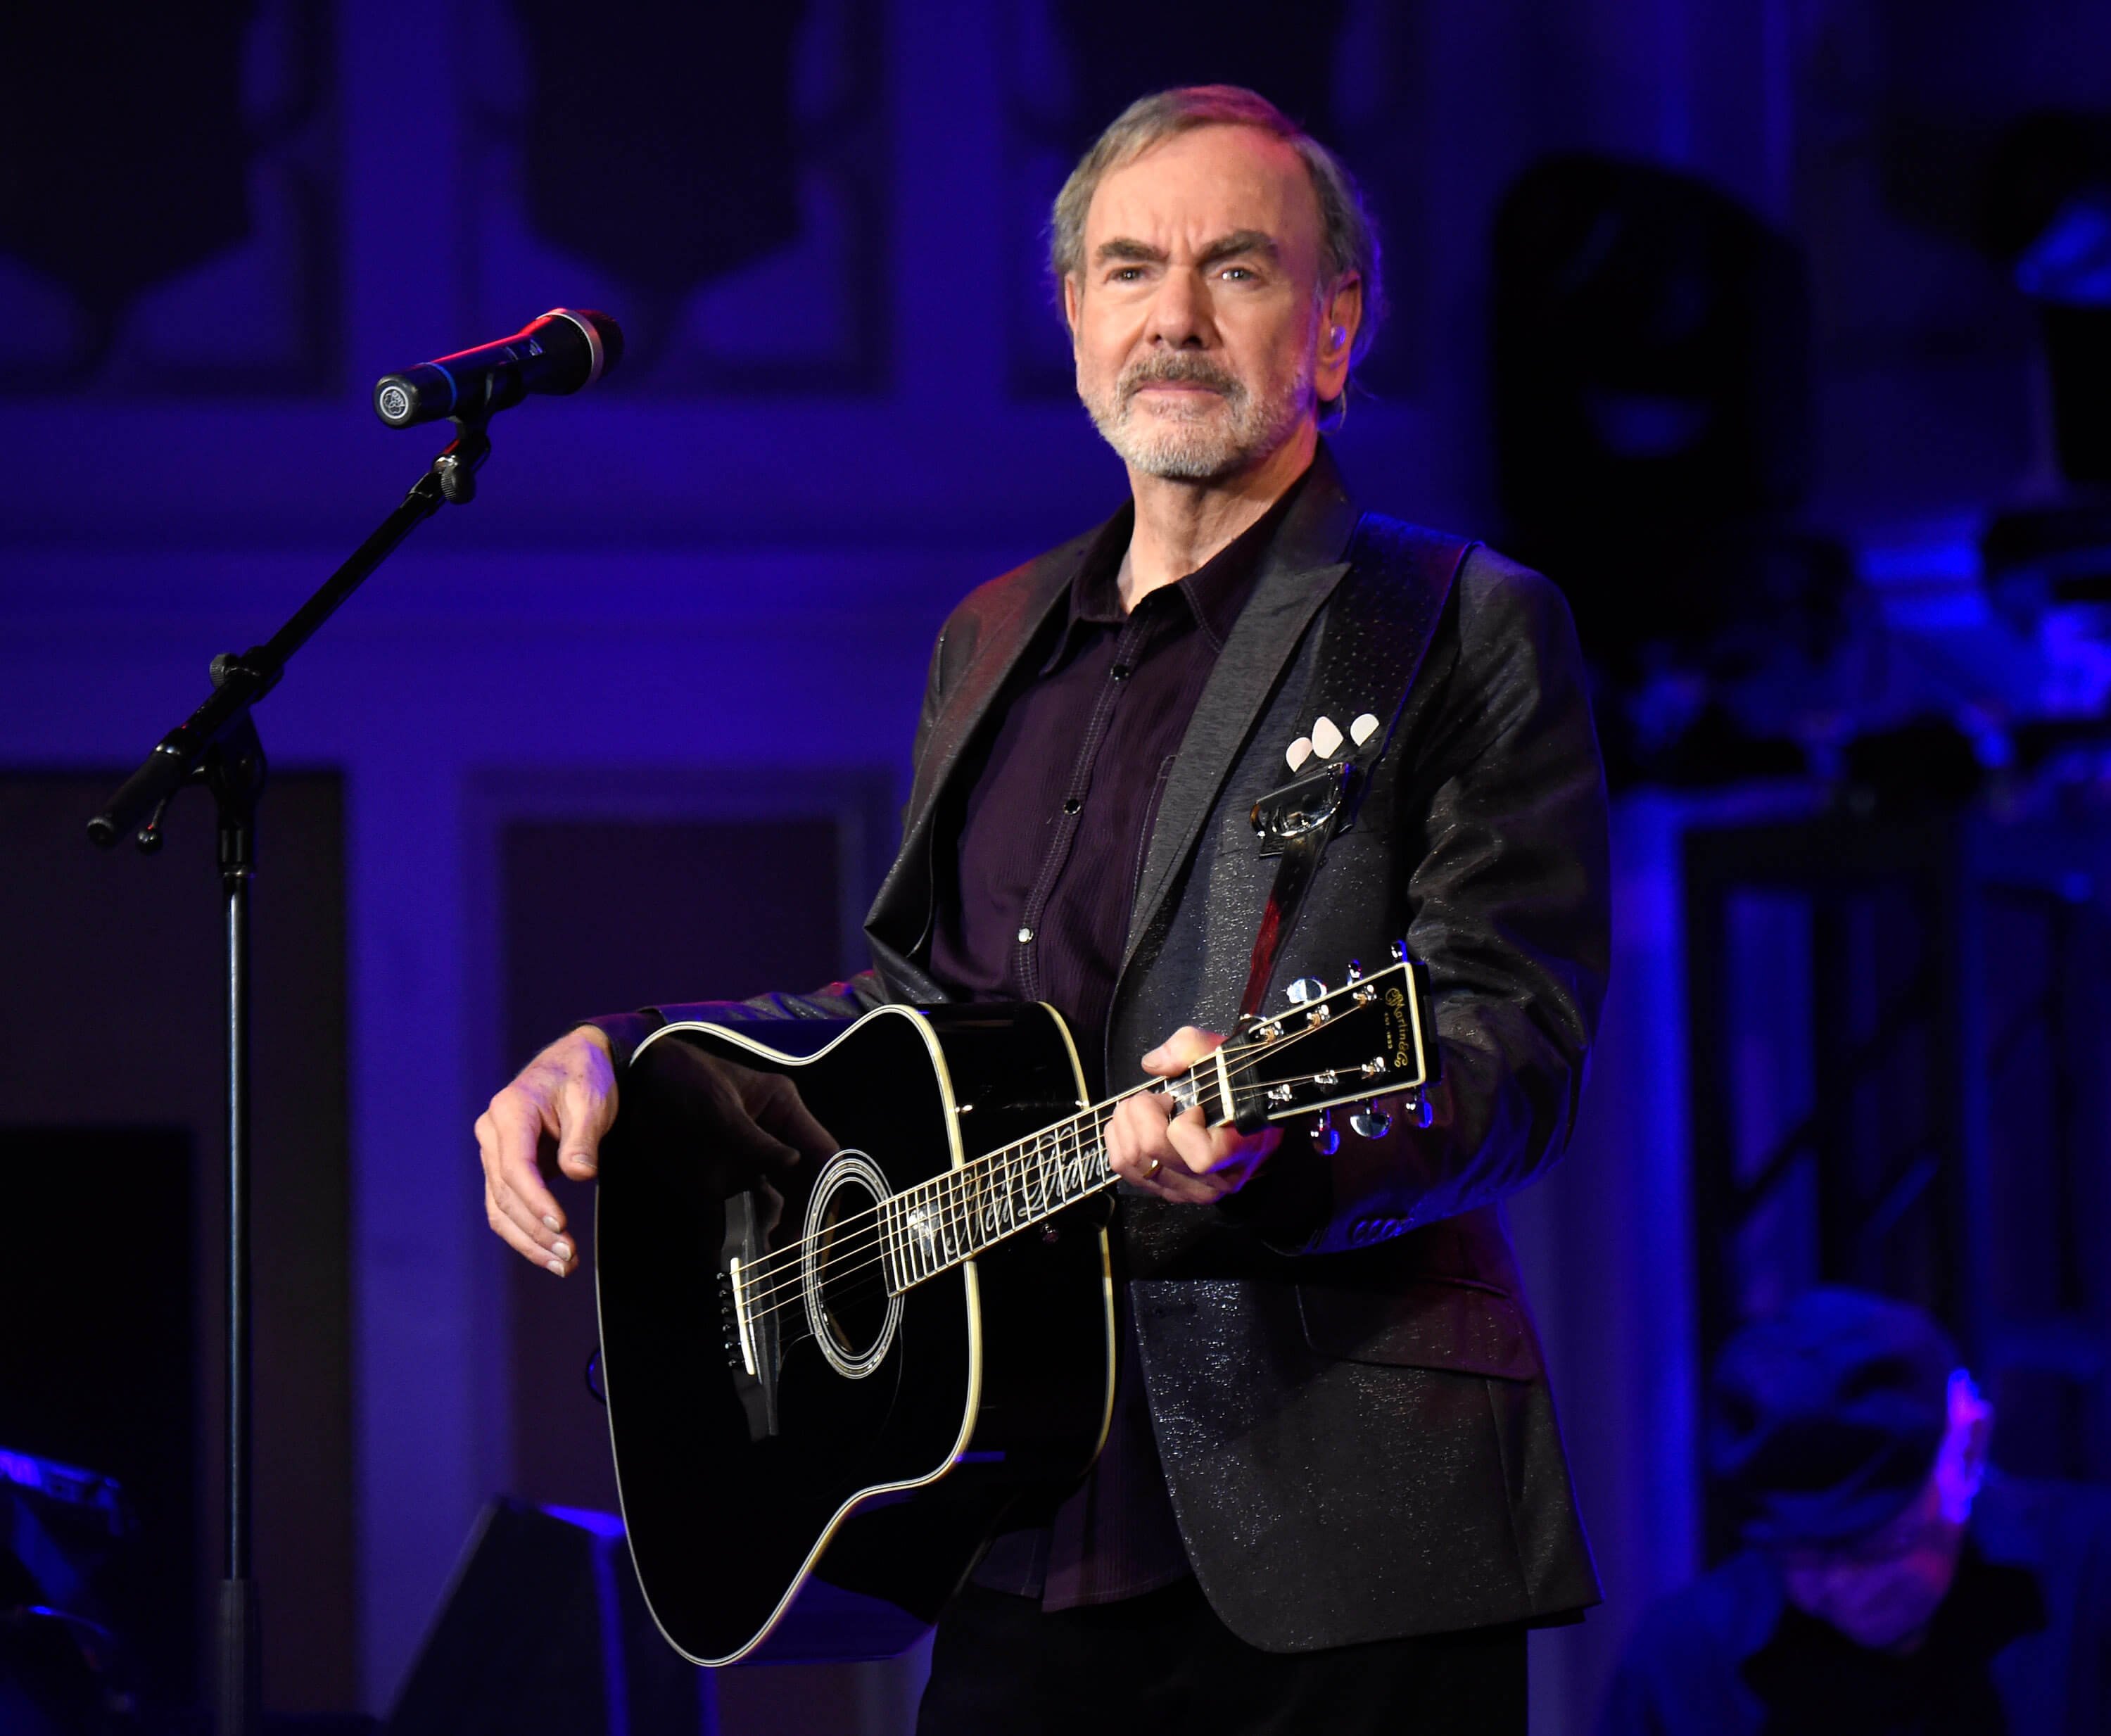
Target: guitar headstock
[[1372, 1037]]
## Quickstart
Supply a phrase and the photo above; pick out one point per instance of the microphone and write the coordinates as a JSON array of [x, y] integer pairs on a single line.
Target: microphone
[[565, 349]]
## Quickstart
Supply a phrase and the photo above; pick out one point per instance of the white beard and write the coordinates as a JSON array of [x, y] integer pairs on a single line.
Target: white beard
[[1210, 440]]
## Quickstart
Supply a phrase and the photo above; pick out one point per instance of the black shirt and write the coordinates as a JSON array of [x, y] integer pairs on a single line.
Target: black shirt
[[1061, 787], [1033, 904]]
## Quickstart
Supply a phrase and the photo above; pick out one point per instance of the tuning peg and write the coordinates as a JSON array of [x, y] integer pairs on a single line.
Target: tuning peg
[[1306, 989], [1324, 1139], [1371, 1122], [1418, 1109], [1355, 970], [1400, 952]]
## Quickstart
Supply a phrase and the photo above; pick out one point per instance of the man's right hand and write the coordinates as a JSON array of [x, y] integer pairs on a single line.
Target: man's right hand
[[749, 1125], [562, 1102]]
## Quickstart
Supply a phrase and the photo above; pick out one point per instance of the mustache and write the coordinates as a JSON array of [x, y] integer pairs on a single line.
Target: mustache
[[1193, 370]]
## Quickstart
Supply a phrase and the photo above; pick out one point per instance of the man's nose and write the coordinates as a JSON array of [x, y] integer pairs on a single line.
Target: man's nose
[[1180, 312]]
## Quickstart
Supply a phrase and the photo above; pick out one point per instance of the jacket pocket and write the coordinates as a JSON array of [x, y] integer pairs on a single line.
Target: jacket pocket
[[1471, 1328]]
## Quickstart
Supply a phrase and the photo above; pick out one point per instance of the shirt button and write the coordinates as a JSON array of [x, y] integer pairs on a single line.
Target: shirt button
[[1025, 935], [1120, 672], [1072, 805]]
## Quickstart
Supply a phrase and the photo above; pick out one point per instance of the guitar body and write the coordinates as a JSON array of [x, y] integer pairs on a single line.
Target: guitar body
[[870, 1437]]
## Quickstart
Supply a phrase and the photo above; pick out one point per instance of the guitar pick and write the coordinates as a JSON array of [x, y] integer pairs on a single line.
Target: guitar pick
[[1300, 752], [1362, 728], [1326, 737]]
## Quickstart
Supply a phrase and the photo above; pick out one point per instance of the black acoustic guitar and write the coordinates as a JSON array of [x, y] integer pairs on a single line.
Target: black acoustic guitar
[[860, 1381]]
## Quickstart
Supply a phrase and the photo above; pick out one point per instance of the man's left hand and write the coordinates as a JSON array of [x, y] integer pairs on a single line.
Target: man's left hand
[[1179, 1156]]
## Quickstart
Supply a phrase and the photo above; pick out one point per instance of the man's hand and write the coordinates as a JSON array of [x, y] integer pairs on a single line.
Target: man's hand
[[1179, 1157], [563, 1101], [749, 1126]]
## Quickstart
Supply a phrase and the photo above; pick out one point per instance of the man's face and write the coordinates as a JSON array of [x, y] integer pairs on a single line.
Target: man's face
[[1202, 341], [1881, 1590]]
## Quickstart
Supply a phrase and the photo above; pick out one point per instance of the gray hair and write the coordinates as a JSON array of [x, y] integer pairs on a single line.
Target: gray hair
[[1348, 240]]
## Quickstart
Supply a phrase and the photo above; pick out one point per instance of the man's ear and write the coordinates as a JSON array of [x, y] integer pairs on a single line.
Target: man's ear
[[1345, 310], [1961, 1461], [1070, 294]]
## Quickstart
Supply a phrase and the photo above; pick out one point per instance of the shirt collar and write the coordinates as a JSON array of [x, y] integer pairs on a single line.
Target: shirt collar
[[1214, 593]]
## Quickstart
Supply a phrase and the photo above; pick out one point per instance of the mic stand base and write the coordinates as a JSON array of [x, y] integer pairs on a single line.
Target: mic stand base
[[237, 1700]]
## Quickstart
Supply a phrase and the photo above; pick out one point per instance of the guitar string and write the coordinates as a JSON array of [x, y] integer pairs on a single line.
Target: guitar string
[[767, 1264], [980, 1169], [776, 1299], [766, 1299], [1009, 1167], [1033, 1150], [1006, 1160]]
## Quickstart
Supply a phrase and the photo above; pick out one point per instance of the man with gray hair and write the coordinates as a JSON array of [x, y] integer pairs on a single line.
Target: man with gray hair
[[1333, 1493]]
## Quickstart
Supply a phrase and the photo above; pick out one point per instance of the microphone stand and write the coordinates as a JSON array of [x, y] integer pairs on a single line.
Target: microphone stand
[[217, 745]]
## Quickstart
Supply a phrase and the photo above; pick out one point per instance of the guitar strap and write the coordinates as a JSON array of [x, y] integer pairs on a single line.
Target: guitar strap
[[1380, 622]]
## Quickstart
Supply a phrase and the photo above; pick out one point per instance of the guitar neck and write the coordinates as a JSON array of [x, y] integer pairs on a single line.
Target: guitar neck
[[1344, 1048], [931, 1228]]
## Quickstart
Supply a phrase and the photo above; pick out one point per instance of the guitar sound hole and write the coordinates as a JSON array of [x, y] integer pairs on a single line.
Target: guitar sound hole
[[848, 1307], [853, 1288]]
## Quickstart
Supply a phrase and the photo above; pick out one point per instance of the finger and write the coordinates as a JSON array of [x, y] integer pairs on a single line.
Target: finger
[[586, 1102], [1183, 1188], [1136, 1137], [1186, 1176], [1230, 1156], [1205, 1149], [515, 1131], [1194, 1143], [525, 1245], [1181, 1051], [583, 1117], [1149, 1162]]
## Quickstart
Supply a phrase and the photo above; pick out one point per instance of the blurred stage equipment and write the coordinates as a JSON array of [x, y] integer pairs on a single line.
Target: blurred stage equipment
[[1651, 419], [1898, 1026], [60, 1672], [2047, 565], [543, 1627], [2048, 562], [2046, 215], [564, 351], [218, 746]]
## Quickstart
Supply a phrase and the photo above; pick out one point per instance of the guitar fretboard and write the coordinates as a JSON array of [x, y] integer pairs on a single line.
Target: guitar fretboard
[[1341, 1048], [931, 1228]]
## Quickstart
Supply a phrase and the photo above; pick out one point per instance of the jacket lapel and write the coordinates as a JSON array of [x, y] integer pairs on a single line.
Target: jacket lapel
[[1001, 639], [901, 913], [1303, 566]]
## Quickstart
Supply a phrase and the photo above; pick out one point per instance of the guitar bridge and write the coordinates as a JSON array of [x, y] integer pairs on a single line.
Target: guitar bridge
[[752, 1335], [743, 1330]]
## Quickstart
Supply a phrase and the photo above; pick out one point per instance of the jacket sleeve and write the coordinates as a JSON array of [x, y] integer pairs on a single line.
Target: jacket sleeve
[[1500, 821]]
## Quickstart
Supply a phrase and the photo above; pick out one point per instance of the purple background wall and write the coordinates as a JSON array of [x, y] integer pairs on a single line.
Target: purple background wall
[[735, 557]]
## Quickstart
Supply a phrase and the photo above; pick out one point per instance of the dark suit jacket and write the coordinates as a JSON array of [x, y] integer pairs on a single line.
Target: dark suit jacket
[[1344, 1377]]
